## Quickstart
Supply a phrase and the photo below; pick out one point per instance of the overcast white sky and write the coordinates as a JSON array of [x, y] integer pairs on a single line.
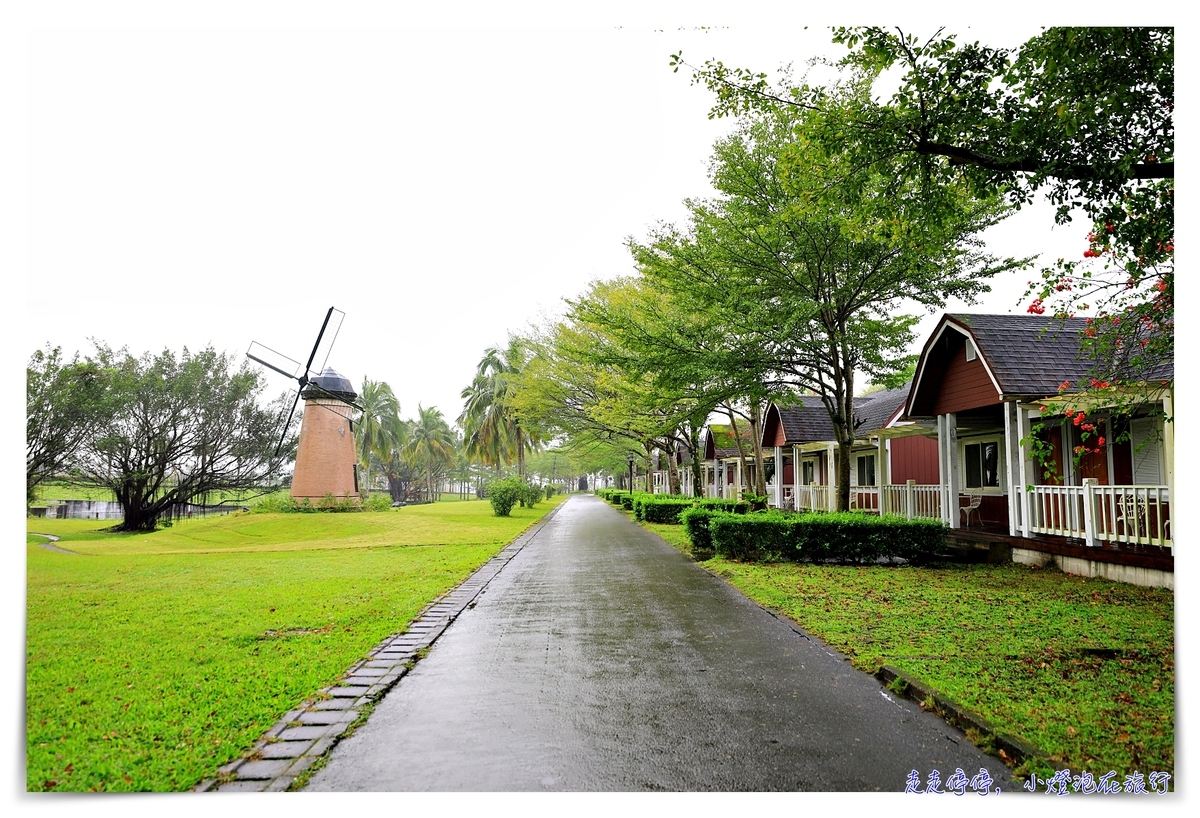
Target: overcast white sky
[[441, 184]]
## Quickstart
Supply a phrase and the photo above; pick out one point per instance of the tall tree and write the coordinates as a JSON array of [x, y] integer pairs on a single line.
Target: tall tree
[[811, 251], [430, 447], [65, 402], [376, 426], [1084, 114], [182, 428], [491, 420]]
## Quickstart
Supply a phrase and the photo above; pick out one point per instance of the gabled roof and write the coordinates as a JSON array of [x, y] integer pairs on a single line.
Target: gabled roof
[[1026, 356], [719, 440], [808, 421], [873, 411]]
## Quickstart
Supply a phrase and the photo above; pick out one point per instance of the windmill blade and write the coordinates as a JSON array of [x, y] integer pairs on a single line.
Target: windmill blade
[[287, 424], [328, 334], [273, 360]]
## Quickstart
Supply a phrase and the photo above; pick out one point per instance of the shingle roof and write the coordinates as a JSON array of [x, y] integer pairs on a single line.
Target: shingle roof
[[808, 421], [1030, 355], [873, 411], [719, 440]]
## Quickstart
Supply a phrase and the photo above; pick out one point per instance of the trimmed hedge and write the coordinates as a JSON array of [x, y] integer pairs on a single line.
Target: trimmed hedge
[[657, 510], [846, 537], [695, 521], [734, 506]]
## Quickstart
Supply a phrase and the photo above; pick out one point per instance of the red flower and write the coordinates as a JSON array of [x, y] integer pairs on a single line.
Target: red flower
[[1090, 253], [1036, 307], [1099, 441], [1064, 386], [1078, 418]]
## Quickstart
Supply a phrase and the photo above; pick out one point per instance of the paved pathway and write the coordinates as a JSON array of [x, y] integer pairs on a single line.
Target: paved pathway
[[602, 659]]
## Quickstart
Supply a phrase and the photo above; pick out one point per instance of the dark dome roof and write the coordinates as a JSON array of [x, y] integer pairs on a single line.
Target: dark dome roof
[[333, 381]]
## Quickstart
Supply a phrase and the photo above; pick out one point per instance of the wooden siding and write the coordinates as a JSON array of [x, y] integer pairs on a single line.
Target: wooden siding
[[964, 384], [914, 458]]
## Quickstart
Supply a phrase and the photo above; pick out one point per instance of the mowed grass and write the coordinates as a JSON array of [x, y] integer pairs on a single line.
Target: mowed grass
[[1082, 668], [151, 660]]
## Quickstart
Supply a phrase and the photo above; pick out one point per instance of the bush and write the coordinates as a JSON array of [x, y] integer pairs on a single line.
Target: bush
[[530, 494], [695, 522], [288, 505], [766, 537], [847, 537], [551, 491], [656, 510], [504, 494], [378, 502]]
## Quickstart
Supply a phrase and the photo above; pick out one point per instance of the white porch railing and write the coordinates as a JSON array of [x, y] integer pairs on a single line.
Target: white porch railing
[[864, 498], [1123, 514], [913, 500], [812, 498]]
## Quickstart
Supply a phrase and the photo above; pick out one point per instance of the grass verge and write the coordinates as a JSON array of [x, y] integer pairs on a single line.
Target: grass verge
[[153, 659], [1082, 668]]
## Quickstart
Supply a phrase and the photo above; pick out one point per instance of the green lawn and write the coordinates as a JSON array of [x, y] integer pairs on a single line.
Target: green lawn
[[1082, 668], [153, 659]]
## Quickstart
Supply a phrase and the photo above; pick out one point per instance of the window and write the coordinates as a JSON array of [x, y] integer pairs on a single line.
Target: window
[[808, 472], [970, 349], [866, 470], [981, 464]]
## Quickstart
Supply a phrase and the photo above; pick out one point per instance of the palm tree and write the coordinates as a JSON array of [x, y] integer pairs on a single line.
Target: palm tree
[[375, 426], [430, 444], [491, 424]]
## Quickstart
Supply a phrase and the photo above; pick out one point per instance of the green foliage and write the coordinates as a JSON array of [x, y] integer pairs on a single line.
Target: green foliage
[[180, 428], [285, 504], [846, 537], [695, 521], [377, 502], [731, 506], [663, 509], [65, 402], [530, 494], [505, 493]]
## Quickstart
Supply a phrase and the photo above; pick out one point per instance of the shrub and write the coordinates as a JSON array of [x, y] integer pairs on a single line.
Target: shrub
[[656, 510], [551, 491], [288, 505], [530, 494], [766, 537], [695, 521], [626, 501], [504, 494], [378, 502], [847, 537]]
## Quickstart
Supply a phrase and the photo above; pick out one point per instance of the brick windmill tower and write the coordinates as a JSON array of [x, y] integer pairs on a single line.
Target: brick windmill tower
[[326, 460]]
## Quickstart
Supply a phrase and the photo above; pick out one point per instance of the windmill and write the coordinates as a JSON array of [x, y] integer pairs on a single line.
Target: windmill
[[326, 461]]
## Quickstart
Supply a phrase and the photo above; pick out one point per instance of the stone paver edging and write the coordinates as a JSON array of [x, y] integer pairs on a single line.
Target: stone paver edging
[[308, 732], [1016, 749]]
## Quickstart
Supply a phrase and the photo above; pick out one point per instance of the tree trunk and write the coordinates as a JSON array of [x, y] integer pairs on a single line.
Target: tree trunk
[[760, 472], [738, 439]]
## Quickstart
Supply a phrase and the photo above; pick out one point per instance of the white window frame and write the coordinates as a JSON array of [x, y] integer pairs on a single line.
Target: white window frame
[[1001, 470], [854, 472], [970, 350]]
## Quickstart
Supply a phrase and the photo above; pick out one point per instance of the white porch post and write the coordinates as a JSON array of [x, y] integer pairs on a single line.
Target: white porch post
[[1169, 441], [882, 475], [738, 493], [1012, 451], [795, 478], [1089, 512], [952, 451], [910, 498], [1024, 472], [833, 476], [778, 476], [943, 470]]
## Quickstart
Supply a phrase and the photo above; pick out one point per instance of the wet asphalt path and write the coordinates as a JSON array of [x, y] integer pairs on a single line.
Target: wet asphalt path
[[602, 659]]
